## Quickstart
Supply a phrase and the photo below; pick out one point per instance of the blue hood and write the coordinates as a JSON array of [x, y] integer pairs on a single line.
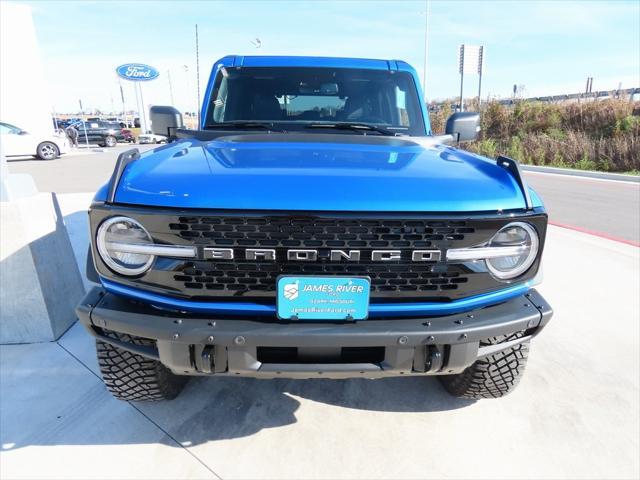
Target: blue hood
[[318, 172]]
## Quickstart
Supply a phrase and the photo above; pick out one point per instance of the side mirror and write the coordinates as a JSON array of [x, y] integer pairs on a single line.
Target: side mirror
[[463, 126], [165, 120]]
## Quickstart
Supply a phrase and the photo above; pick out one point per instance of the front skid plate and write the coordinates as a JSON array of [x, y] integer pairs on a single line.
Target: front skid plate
[[187, 343]]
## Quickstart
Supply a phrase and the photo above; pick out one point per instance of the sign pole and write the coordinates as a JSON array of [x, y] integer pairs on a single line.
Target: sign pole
[[124, 110], [135, 89], [138, 73], [84, 124], [143, 117]]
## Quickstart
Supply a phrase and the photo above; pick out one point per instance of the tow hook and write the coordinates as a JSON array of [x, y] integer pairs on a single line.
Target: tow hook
[[434, 359], [207, 357]]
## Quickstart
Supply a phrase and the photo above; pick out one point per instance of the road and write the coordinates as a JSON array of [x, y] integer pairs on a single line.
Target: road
[[608, 208]]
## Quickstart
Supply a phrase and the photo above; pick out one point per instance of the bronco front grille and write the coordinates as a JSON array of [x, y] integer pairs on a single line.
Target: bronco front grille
[[317, 232], [240, 277], [255, 279]]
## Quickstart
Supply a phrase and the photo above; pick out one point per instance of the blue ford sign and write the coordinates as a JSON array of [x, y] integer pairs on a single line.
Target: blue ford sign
[[137, 72]]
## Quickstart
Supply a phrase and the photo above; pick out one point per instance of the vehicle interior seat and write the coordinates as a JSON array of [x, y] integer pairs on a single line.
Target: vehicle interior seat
[[359, 108], [266, 107]]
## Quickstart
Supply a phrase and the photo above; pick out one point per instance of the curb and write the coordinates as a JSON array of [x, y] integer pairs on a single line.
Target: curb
[[595, 233], [581, 173]]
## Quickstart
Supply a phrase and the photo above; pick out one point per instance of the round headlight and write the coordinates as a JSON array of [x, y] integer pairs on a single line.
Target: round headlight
[[516, 234], [114, 236]]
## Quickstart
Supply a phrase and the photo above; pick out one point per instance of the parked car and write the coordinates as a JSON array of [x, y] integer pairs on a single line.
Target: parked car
[[151, 138], [314, 227], [128, 135], [17, 142], [105, 134]]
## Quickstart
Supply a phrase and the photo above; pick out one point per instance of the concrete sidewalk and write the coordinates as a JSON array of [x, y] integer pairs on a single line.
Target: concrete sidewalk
[[574, 415]]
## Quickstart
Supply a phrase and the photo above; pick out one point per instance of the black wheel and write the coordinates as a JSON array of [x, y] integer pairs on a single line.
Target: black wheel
[[110, 141], [47, 151], [493, 376], [129, 376]]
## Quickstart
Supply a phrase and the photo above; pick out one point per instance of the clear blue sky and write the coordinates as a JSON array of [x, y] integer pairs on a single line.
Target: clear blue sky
[[550, 47]]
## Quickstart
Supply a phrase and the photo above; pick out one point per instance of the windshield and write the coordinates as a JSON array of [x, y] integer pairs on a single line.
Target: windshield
[[293, 98]]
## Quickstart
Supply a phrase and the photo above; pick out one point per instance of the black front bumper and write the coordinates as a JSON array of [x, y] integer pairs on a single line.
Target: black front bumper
[[196, 345]]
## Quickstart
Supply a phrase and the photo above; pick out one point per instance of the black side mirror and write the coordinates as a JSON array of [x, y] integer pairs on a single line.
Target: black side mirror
[[165, 120], [463, 126]]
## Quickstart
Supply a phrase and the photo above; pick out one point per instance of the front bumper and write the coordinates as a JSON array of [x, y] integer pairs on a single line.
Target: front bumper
[[197, 345]]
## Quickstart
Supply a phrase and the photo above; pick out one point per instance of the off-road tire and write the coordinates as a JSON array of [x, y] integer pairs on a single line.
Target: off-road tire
[[493, 376], [129, 376], [47, 151]]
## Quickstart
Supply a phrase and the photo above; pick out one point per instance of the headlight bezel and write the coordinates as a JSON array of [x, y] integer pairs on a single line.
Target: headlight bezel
[[529, 261], [104, 253]]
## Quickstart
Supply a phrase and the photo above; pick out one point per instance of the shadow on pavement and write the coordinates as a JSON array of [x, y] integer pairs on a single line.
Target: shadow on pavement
[[212, 409], [62, 404]]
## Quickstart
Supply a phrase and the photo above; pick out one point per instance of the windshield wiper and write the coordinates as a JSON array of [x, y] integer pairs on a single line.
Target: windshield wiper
[[243, 124], [363, 127]]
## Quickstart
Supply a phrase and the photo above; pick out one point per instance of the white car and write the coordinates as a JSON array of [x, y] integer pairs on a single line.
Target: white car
[[17, 143], [151, 138]]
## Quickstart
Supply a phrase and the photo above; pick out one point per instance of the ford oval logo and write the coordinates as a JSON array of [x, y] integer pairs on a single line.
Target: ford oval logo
[[137, 72]]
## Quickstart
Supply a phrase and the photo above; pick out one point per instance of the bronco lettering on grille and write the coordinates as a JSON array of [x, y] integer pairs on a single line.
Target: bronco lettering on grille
[[308, 255]]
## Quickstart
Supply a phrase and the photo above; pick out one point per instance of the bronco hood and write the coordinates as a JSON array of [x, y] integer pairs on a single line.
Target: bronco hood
[[318, 172]]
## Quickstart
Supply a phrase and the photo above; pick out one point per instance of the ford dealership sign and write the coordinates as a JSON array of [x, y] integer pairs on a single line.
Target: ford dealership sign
[[137, 72]]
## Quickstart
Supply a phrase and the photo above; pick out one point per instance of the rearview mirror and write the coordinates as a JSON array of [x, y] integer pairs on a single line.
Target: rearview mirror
[[329, 89], [165, 120], [463, 126]]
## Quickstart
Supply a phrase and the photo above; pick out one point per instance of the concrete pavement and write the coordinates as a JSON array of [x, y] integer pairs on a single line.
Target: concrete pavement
[[574, 415]]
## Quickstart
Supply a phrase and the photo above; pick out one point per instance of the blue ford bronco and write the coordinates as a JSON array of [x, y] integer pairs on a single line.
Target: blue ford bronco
[[312, 226]]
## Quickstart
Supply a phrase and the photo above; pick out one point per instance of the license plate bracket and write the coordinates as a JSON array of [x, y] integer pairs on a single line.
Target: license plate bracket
[[322, 298]]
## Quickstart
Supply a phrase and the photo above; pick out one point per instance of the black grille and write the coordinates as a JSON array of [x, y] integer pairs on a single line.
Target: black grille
[[255, 280], [317, 233], [253, 276], [259, 278]]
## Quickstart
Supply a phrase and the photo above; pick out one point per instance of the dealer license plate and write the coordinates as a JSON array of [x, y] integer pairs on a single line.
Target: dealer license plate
[[323, 298]]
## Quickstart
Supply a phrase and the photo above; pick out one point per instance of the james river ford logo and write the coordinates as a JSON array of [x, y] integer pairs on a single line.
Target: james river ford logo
[[137, 72], [291, 291]]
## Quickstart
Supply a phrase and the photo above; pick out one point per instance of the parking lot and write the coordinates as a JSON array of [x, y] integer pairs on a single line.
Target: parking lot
[[574, 415]]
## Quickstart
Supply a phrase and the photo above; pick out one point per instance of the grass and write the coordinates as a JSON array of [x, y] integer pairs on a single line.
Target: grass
[[592, 135]]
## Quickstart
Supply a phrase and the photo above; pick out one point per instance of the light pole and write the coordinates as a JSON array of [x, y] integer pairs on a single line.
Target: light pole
[[426, 47], [198, 76], [188, 105], [170, 87]]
